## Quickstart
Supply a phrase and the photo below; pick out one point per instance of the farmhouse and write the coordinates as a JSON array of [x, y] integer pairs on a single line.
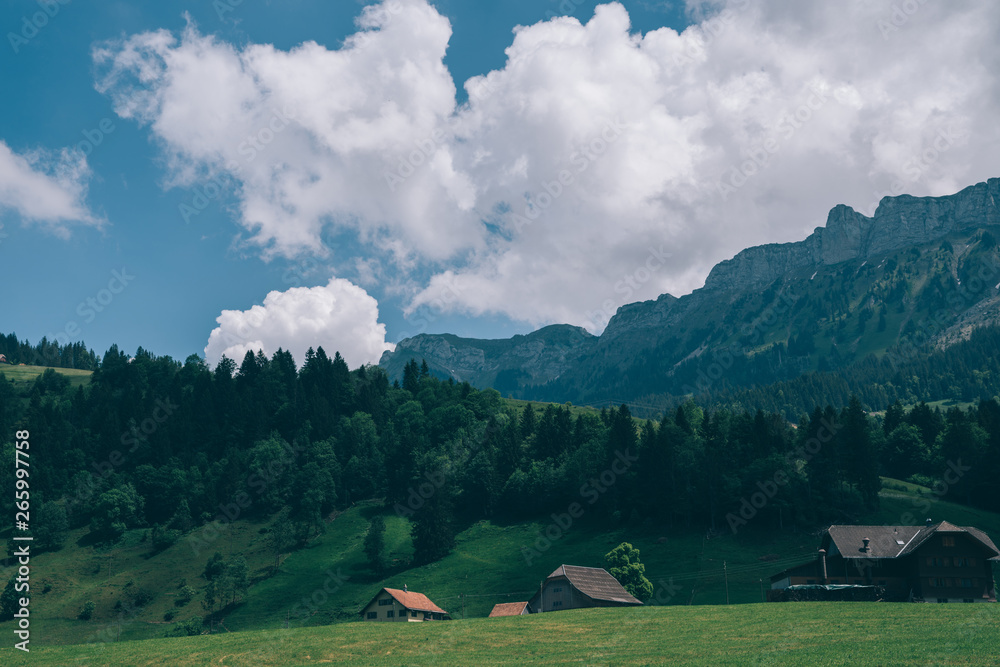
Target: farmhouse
[[510, 609], [932, 563], [573, 587], [392, 604]]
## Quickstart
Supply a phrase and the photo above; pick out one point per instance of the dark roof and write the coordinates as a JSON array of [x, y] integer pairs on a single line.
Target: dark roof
[[896, 541], [595, 583], [508, 609], [411, 600]]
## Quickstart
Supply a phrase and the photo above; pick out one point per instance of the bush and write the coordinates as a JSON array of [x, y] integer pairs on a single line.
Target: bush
[[187, 592], [163, 537], [187, 628], [88, 611], [169, 616]]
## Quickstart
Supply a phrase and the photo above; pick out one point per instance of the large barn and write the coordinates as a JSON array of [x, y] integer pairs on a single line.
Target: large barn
[[573, 587], [932, 563], [394, 605]]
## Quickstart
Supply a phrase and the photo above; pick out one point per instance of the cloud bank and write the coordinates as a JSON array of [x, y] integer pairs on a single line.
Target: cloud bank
[[599, 166]]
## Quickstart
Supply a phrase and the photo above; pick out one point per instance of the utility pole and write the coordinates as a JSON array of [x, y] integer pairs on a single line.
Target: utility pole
[[725, 572], [761, 590]]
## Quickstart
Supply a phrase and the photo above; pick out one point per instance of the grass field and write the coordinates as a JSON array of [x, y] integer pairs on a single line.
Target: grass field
[[22, 375], [328, 581], [814, 634]]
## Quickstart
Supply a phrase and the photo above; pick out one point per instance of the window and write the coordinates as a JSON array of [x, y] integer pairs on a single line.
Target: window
[[961, 562], [385, 601], [557, 603], [947, 541], [413, 614], [938, 582], [966, 583], [390, 614], [372, 614], [557, 589]]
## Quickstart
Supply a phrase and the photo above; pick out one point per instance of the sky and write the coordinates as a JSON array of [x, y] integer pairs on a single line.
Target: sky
[[215, 177]]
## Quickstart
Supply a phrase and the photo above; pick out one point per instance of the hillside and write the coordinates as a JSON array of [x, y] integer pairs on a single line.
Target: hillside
[[855, 634], [23, 376], [488, 565], [919, 276]]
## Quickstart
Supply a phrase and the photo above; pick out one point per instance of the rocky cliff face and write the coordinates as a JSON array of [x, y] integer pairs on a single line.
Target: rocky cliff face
[[745, 323], [899, 222]]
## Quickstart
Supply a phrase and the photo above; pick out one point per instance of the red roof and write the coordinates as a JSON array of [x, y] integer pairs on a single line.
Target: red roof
[[415, 601], [508, 609]]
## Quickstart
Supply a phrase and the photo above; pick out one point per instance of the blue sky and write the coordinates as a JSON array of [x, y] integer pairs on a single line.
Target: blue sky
[[101, 162]]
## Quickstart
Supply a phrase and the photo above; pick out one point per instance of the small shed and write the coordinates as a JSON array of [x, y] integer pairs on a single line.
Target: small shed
[[510, 609]]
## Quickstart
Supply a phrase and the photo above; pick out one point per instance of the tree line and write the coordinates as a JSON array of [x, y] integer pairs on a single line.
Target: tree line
[[175, 448]]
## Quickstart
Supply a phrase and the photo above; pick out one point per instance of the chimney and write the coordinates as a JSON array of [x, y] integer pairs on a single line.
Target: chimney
[[404, 588], [822, 565], [929, 522], [866, 541]]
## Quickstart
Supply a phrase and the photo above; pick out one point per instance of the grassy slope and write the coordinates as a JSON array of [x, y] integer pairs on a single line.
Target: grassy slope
[[487, 567], [23, 375], [760, 634]]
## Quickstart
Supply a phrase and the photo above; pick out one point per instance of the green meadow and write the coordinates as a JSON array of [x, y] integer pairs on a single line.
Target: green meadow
[[813, 634]]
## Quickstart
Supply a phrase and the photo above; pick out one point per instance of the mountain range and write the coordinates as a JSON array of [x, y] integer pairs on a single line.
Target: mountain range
[[912, 280]]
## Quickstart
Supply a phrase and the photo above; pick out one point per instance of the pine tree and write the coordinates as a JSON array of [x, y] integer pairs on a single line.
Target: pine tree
[[375, 545]]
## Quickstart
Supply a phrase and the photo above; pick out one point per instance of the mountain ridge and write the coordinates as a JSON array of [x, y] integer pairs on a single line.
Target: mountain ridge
[[822, 286]]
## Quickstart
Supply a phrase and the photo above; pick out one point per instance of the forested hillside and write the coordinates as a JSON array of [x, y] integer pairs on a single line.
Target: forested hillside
[[153, 442]]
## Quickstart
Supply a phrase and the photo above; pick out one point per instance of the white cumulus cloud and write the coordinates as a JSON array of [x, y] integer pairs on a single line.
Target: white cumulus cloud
[[599, 166], [339, 316], [46, 187]]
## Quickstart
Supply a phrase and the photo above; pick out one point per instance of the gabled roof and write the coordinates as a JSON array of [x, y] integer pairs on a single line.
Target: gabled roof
[[595, 583], [896, 541], [508, 609], [411, 600]]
